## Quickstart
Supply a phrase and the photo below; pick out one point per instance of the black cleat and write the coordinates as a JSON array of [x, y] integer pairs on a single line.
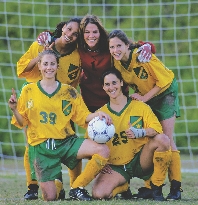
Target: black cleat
[[62, 195], [126, 195], [143, 193], [157, 192], [32, 192], [175, 191], [79, 194]]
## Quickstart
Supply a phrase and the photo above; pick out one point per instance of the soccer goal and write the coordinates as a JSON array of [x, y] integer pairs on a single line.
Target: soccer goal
[[171, 25]]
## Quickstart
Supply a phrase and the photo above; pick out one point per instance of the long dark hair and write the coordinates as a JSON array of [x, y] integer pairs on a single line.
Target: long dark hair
[[123, 37], [103, 41], [111, 71], [58, 31], [117, 73]]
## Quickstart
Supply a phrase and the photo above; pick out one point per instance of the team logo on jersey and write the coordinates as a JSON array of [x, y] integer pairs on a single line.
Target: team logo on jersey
[[141, 72], [66, 107], [73, 71], [30, 104], [136, 121]]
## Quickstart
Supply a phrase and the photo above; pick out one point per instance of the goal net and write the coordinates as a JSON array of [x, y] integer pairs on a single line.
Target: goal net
[[171, 25]]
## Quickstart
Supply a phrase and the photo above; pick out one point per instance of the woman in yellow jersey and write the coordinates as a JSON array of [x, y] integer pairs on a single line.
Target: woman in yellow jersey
[[66, 48], [155, 85], [138, 149], [47, 107], [69, 71]]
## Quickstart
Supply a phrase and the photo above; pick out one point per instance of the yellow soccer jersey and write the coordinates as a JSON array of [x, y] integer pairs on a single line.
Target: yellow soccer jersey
[[142, 77], [49, 115], [68, 72], [122, 149]]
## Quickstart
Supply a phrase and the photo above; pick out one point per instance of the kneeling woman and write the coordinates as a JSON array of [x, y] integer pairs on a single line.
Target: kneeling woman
[[47, 107], [138, 149]]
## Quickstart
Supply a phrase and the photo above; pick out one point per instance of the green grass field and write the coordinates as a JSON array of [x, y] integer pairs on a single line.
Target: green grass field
[[13, 187]]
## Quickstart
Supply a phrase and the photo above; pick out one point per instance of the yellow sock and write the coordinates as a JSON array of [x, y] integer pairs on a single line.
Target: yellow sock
[[161, 161], [92, 168], [120, 189], [74, 173], [59, 187], [147, 183], [174, 170], [27, 168]]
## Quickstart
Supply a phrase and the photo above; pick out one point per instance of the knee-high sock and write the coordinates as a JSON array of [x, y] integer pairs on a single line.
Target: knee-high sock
[[161, 161], [120, 189], [27, 168], [59, 187], [174, 170], [91, 169], [73, 174]]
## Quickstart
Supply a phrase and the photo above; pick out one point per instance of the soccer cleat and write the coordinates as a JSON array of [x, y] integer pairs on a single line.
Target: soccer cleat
[[175, 191], [32, 192], [157, 192], [60, 190], [126, 194], [62, 195], [79, 194], [143, 193]]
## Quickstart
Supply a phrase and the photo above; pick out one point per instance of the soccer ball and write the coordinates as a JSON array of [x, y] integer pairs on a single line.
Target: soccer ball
[[99, 131]]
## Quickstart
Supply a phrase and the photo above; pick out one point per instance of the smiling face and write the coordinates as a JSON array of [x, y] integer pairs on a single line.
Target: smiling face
[[118, 49], [70, 32], [112, 85], [92, 36], [48, 66]]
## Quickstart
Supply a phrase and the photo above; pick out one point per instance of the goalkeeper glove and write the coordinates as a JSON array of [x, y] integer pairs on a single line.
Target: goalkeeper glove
[[44, 38], [145, 53]]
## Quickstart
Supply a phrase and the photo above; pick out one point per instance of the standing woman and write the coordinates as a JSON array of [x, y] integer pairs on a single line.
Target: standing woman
[[95, 60], [65, 46], [155, 85]]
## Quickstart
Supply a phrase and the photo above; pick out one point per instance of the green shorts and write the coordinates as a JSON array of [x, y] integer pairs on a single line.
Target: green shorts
[[132, 169], [166, 104], [46, 158]]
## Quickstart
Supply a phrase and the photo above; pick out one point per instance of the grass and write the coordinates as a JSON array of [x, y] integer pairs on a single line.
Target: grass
[[13, 187]]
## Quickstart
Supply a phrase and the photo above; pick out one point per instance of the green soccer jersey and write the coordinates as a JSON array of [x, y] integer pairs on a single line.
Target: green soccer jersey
[[122, 149], [48, 115], [142, 77], [68, 71]]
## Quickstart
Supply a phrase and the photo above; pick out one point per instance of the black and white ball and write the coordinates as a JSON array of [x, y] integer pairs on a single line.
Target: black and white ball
[[99, 131]]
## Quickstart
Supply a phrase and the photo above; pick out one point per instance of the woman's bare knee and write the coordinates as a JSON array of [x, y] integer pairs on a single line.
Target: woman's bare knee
[[100, 193], [163, 142], [103, 150], [48, 190]]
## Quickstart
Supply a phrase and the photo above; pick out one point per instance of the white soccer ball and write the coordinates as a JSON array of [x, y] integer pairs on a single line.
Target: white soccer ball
[[99, 131]]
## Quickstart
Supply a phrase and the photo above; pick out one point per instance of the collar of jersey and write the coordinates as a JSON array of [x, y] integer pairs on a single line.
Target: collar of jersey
[[119, 113], [47, 94], [126, 65]]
